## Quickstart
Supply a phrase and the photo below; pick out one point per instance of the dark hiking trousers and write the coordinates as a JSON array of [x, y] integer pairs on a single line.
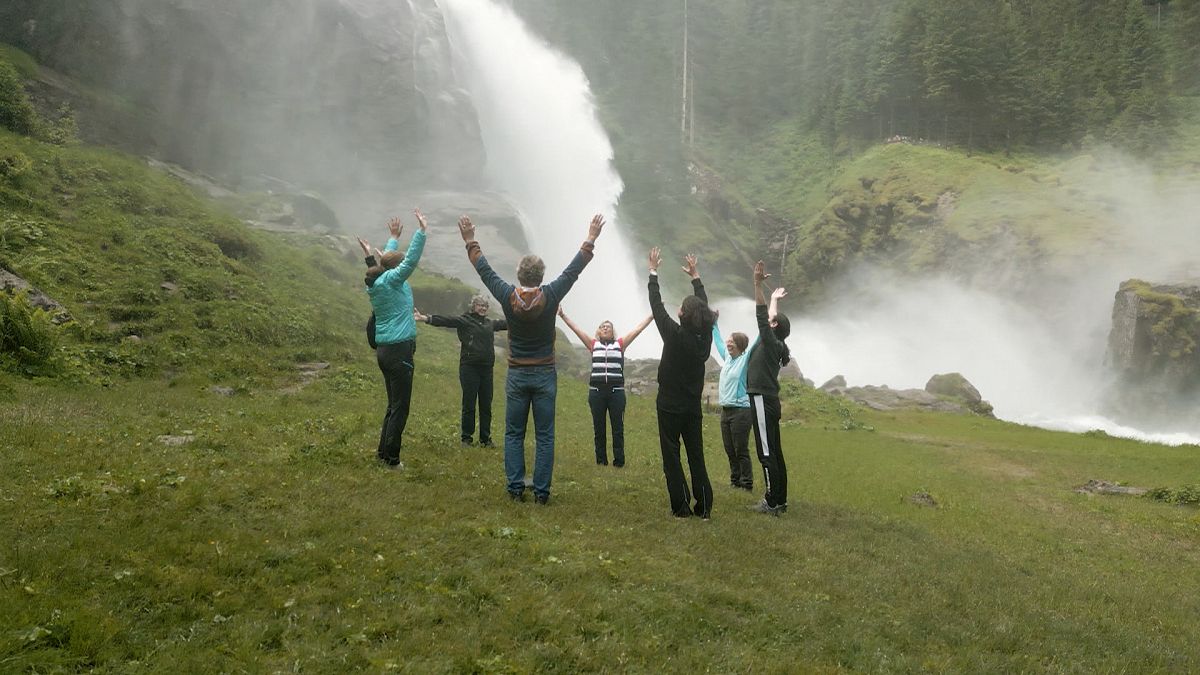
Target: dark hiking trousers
[[608, 403], [671, 428], [476, 381], [396, 362], [735, 434]]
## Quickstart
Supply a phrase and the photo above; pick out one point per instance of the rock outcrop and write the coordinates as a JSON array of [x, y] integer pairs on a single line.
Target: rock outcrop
[[955, 386], [1152, 350], [350, 98], [12, 284]]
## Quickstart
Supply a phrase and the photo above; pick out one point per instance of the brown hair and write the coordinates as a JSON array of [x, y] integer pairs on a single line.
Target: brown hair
[[695, 315], [740, 340], [390, 259]]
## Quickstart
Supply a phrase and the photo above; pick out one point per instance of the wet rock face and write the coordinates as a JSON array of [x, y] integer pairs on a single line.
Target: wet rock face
[[1154, 349], [332, 95]]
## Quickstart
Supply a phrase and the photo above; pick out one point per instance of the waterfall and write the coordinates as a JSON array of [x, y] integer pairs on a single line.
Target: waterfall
[[548, 154]]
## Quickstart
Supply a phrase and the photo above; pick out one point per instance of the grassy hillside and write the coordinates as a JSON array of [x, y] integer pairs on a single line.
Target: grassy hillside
[[156, 524]]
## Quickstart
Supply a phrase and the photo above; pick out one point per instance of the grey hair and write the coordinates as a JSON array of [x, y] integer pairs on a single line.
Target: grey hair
[[480, 299], [530, 271]]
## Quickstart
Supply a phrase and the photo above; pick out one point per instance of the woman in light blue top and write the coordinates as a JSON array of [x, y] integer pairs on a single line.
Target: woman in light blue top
[[395, 330], [736, 420]]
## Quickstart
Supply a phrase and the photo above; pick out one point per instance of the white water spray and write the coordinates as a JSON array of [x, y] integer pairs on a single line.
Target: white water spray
[[548, 153]]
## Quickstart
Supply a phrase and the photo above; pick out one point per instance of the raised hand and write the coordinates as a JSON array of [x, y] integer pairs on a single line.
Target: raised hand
[[655, 259], [366, 248], [561, 312], [595, 227], [395, 227], [690, 266], [466, 228], [420, 219], [760, 272], [418, 316], [778, 294]]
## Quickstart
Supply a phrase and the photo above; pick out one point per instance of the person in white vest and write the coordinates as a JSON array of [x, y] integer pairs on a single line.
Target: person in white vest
[[606, 386]]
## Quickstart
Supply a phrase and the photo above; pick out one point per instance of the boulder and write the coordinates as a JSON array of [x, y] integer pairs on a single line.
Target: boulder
[[12, 284], [954, 385], [835, 385], [884, 398]]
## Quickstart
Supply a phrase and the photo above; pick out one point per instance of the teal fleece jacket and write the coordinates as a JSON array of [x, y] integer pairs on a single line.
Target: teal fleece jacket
[[391, 296]]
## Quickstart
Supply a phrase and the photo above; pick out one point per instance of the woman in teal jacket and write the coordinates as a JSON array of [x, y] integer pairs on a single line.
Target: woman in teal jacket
[[395, 330], [736, 419]]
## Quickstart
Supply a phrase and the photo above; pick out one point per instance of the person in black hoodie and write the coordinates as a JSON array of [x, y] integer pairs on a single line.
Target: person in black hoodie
[[762, 385], [476, 359], [680, 384]]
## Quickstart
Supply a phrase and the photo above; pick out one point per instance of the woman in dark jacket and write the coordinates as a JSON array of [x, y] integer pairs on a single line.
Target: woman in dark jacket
[[476, 360], [762, 385], [680, 384]]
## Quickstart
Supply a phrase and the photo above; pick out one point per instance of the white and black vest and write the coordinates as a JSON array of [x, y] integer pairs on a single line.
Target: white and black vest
[[608, 364]]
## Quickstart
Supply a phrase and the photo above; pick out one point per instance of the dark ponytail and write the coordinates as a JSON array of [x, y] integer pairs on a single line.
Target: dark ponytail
[[695, 315], [782, 329]]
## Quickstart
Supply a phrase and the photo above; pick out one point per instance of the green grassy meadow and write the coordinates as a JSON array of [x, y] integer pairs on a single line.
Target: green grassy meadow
[[273, 542]]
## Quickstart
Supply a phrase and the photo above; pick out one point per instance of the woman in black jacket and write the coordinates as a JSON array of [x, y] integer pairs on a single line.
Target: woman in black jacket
[[476, 359], [680, 384], [762, 385]]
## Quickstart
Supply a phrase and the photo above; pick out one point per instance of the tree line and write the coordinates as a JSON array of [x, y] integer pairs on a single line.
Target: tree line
[[976, 73]]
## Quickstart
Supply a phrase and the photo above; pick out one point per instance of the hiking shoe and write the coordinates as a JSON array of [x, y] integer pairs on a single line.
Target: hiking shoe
[[764, 507], [468, 443], [541, 499], [517, 496], [486, 444]]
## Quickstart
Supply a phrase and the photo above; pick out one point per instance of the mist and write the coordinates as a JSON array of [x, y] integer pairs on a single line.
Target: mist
[[549, 155], [1038, 357]]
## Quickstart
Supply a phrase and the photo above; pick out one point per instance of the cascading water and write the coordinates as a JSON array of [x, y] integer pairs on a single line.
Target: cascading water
[[547, 152]]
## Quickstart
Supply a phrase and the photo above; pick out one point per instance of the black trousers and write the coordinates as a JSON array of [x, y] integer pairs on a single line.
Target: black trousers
[[735, 433], [396, 362], [770, 451], [672, 427], [608, 403], [476, 381]]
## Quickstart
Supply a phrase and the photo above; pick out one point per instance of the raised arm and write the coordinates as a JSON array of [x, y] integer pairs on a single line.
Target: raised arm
[[587, 340], [760, 275], [562, 285], [499, 288], [632, 335], [666, 325], [719, 343], [776, 295]]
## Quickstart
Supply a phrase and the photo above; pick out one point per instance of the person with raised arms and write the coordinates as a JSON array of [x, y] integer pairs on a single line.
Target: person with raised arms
[[736, 418], [686, 344], [386, 284], [532, 382], [606, 385], [762, 386]]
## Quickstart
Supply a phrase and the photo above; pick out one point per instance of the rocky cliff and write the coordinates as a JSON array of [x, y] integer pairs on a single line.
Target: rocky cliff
[[1152, 349], [355, 99]]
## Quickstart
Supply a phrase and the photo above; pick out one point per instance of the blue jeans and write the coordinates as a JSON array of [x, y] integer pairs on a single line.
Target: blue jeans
[[530, 387]]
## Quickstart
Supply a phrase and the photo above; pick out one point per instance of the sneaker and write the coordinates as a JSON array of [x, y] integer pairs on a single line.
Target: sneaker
[[468, 443], [541, 499], [764, 507], [517, 496], [487, 444], [618, 465]]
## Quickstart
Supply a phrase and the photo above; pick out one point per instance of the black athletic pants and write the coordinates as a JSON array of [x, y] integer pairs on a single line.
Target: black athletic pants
[[671, 428], [476, 381], [396, 362], [735, 433], [770, 451], [608, 403]]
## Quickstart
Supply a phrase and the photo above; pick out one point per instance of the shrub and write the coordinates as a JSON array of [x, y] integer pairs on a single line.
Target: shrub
[[28, 339], [1188, 494], [16, 112]]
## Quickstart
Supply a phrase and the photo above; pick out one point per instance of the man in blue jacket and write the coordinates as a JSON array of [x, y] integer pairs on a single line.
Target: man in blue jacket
[[530, 308]]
